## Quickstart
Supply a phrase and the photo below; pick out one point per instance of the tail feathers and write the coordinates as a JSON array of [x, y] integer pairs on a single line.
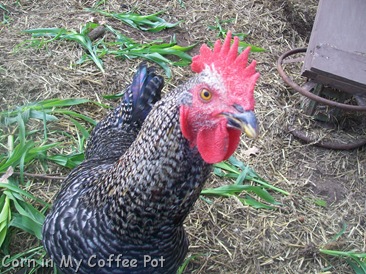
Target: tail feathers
[[143, 93], [115, 133]]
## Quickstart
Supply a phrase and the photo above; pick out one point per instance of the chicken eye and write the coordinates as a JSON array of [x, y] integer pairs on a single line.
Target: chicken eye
[[206, 95]]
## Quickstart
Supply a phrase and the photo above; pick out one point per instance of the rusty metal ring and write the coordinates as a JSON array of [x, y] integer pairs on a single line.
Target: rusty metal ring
[[326, 144], [306, 93]]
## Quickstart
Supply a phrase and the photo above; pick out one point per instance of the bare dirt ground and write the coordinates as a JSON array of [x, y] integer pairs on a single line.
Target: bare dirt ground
[[235, 238]]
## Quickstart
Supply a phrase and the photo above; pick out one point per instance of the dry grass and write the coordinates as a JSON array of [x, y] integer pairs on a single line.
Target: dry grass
[[235, 238]]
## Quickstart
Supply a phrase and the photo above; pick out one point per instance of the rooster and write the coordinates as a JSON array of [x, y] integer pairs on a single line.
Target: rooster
[[122, 210]]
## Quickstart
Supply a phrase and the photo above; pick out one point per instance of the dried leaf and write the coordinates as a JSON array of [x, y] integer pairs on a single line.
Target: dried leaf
[[8, 173], [251, 151]]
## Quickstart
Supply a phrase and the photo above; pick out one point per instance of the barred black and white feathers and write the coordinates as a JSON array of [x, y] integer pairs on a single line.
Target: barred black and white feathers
[[115, 133]]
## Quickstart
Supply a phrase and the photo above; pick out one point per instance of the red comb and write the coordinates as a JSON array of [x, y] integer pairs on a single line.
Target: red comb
[[238, 77]]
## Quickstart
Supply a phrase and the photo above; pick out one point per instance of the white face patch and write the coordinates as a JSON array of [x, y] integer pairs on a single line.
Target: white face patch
[[210, 76]]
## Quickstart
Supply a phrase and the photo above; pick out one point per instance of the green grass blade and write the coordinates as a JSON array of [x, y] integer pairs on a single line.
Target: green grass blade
[[51, 32], [21, 128], [181, 3], [69, 161], [22, 155], [16, 155], [236, 170], [269, 186], [227, 167], [156, 58], [187, 261], [70, 35], [27, 224], [254, 203], [81, 129], [155, 51], [99, 3], [233, 167], [343, 253], [56, 103], [357, 269], [28, 218], [340, 233], [222, 34], [253, 48], [151, 22], [113, 96], [229, 190], [355, 260], [76, 115], [5, 216], [45, 105], [15, 189], [242, 176], [42, 115], [24, 208]]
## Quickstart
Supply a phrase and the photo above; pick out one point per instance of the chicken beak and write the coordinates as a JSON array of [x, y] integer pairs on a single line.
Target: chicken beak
[[243, 121]]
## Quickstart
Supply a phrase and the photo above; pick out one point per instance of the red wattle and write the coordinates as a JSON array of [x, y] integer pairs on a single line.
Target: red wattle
[[218, 143], [215, 144], [234, 140]]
